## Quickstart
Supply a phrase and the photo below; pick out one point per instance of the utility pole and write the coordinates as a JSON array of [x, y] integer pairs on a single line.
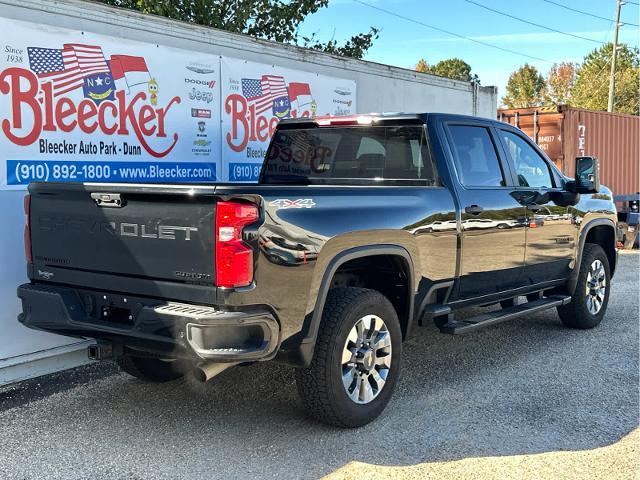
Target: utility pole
[[612, 77]]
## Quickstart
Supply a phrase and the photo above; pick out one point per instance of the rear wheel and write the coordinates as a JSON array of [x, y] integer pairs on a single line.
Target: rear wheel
[[591, 296], [151, 369], [356, 363]]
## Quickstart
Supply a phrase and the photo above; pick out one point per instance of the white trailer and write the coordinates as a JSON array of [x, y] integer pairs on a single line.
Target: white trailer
[[38, 34]]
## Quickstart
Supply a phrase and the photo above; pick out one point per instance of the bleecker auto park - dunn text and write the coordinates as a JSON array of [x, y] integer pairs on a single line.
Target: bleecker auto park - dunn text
[[88, 148]]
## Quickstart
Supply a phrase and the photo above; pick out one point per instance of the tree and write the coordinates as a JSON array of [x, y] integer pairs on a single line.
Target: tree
[[422, 66], [560, 81], [276, 20], [525, 88], [591, 89], [355, 47], [451, 68]]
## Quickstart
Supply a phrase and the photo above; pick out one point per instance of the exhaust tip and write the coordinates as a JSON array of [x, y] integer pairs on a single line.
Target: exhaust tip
[[199, 374], [205, 371]]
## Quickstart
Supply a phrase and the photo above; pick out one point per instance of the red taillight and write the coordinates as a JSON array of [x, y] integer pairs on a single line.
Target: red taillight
[[234, 258], [27, 229]]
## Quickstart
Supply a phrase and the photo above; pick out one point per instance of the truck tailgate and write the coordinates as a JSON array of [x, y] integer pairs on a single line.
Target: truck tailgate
[[161, 234]]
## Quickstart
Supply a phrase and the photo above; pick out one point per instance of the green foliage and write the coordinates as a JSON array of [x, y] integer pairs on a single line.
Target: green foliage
[[276, 20], [454, 68], [591, 89], [451, 68], [355, 47], [525, 88]]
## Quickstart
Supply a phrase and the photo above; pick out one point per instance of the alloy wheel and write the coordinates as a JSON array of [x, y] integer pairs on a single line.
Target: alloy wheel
[[366, 359], [596, 287]]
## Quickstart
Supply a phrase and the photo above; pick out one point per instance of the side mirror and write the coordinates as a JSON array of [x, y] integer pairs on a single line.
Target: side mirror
[[587, 178]]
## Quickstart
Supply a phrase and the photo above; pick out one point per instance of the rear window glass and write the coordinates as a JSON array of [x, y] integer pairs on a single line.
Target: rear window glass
[[335, 155]]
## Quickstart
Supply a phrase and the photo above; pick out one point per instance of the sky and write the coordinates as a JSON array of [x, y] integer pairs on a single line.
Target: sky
[[402, 43]]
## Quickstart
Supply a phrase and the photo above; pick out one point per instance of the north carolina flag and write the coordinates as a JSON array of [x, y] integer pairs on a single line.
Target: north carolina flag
[[129, 70], [300, 96]]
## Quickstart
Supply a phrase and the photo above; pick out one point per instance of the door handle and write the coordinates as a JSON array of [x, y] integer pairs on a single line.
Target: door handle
[[474, 209]]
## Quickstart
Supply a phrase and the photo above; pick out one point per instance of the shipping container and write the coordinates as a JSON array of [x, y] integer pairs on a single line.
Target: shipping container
[[193, 61], [565, 132]]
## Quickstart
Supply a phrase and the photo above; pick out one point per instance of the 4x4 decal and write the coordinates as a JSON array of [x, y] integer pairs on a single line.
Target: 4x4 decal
[[297, 203]]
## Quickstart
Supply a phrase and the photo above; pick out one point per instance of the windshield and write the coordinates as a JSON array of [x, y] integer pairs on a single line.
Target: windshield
[[343, 155]]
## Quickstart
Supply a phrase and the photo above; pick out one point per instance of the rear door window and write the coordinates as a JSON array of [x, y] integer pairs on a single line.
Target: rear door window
[[476, 158], [342, 155]]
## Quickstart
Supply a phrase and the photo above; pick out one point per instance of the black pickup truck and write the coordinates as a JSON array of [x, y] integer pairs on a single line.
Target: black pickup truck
[[359, 228]]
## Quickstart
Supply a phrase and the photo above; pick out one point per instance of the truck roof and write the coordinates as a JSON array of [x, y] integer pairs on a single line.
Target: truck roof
[[386, 117]]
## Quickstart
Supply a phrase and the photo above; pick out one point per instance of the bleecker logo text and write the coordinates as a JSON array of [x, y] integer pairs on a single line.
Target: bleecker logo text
[[62, 114], [246, 124]]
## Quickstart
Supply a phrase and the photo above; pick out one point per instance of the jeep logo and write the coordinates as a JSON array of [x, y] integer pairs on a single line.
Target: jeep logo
[[201, 95]]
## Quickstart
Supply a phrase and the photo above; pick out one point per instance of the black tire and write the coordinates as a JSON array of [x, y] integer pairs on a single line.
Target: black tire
[[577, 314], [151, 369], [320, 385]]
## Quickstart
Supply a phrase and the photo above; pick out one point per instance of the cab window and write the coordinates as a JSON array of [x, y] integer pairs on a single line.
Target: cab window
[[531, 168], [475, 156]]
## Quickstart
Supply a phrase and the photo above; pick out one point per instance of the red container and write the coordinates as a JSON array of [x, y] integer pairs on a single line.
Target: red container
[[565, 133]]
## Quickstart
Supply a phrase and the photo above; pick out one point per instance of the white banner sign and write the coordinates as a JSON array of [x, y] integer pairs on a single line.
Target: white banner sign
[[82, 107], [77, 106], [256, 96]]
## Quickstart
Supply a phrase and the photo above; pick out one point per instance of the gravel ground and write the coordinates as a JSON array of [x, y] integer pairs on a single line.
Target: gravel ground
[[526, 399]]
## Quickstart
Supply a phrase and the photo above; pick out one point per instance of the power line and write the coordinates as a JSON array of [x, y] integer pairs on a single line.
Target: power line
[[604, 81], [566, 7], [532, 23], [486, 44]]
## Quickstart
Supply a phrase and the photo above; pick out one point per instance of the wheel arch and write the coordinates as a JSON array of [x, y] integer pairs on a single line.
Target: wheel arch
[[343, 258], [601, 231]]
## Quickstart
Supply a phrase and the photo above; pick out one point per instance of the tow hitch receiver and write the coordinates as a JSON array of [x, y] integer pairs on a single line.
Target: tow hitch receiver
[[100, 351]]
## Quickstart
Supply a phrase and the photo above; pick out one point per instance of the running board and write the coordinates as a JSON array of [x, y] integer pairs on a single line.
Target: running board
[[435, 310], [456, 327]]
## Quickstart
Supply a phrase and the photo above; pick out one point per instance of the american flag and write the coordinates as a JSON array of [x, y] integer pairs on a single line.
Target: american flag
[[262, 92], [66, 68]]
